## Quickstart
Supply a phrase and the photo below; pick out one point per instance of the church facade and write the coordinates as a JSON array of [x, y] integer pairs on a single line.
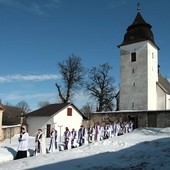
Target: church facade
[[142, 87]]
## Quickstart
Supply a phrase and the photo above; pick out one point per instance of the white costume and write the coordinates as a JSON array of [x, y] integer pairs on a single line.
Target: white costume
[[126, 127], [130, 126], [82, 136], [91, 134], [40, 147], [23, 142], [74, 138], [53, 142], [67, 139], [117, 129], [97, 132], [23, 145]]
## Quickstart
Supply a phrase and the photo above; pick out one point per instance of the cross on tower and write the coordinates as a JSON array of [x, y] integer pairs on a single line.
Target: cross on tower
[[138, 7]]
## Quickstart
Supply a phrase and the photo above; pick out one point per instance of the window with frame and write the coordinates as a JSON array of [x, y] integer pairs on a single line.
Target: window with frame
[[69, 111], [152, 55], [133, 70], [133, 104], [133, 57]]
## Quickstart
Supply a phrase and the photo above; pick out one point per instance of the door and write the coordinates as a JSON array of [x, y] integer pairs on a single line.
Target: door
[[134, 119], [152, 119], [48, 131]]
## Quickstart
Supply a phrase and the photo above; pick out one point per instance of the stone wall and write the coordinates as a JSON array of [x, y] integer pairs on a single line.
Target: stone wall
[[163, 119], [140, 118], [10, 131]]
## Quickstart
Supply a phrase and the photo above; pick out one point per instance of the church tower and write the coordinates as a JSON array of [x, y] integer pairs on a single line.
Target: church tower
[[138, 67]]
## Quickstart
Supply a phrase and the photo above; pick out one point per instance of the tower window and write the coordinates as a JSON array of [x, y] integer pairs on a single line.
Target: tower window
[[133, 56], [133, 104], [152, 55], [133, 70]]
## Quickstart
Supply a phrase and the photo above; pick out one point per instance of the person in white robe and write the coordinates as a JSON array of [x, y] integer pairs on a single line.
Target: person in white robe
[[97, 132], [67, 138], [131, 126], [82, 136], [126, 126], [107, 131], [114, 129], [74, 138], [53, 141], [117, 129], [40, 146], [23, 144], [91, 134]]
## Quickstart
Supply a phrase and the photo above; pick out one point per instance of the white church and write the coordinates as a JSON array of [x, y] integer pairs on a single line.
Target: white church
[[141, 85]]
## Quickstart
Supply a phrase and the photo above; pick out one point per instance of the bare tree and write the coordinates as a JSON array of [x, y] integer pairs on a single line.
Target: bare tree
[[24, 106], [100, 86], [87, 109], [72, 73], [43, 104]]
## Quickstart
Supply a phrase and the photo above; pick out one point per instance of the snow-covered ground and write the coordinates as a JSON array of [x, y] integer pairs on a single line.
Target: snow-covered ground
[[146, 148]]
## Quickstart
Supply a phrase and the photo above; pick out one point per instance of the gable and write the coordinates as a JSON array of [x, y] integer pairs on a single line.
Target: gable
[[164, 84], [52, 109]]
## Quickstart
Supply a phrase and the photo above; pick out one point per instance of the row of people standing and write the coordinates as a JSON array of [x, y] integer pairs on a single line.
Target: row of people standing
[[94, 133], [117, 128], [75, 138], [72, 138]]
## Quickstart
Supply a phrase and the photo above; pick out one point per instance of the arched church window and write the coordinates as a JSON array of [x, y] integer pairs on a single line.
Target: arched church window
[[133, 56]]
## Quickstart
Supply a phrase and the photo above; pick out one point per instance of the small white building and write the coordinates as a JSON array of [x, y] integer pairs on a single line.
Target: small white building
[[141, 85], [56, 116]]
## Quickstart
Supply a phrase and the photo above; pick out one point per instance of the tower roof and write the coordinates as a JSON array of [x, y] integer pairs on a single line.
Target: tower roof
[[138, 31]]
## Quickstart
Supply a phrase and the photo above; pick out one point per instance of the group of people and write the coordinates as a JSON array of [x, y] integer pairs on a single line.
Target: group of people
[[72, 138], [94, 133]]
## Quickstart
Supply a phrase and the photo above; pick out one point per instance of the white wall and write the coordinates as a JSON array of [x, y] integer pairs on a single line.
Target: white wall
[[129, 92], [138, 87], [35, 123], [161, 99], [61, 119], [167, 101], [152, 66]]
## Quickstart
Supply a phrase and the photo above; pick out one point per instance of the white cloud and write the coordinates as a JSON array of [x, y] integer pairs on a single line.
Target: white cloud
[[18, 77], [19, 96], [32, 6]]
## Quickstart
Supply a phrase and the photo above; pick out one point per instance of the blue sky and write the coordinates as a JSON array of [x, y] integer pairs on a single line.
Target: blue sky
[[37, 34]]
